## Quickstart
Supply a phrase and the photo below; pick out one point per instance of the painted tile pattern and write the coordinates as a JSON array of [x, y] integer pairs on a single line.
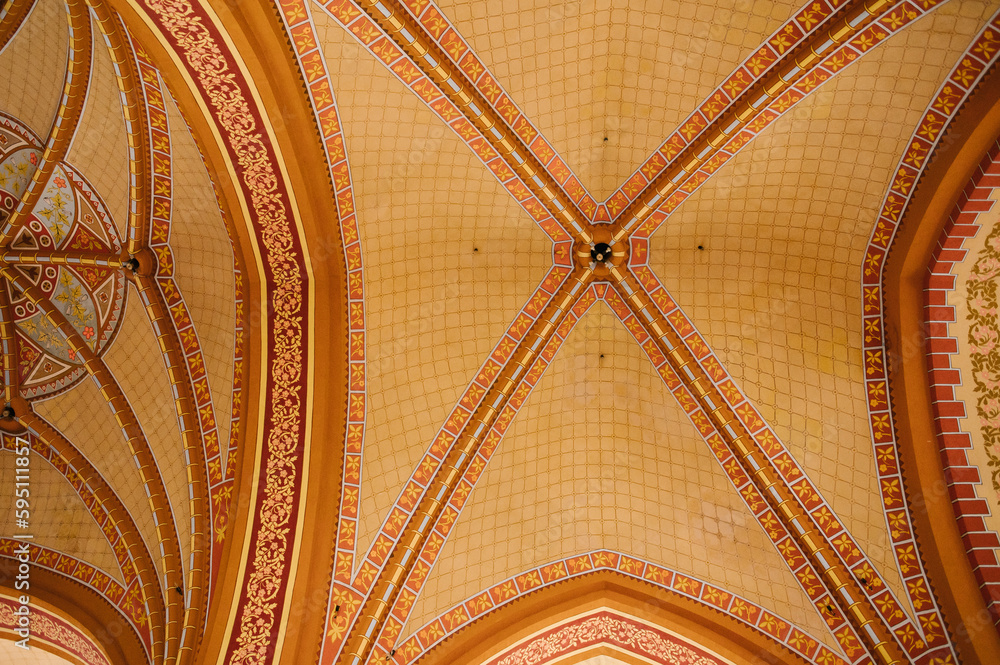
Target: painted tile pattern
[[772, 53], [52, 221], [609, 460], [427, 330], [444, 441], [846, 547], [220, 465], [371, 37], [354, 20], [841, 541], [127, 595], [96, 234], [80, 223], [784, 543], [758, 66], [428, 554], [440, 28]]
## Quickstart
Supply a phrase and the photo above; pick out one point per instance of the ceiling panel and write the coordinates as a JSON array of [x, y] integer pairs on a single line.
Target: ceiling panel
[[601, 456]]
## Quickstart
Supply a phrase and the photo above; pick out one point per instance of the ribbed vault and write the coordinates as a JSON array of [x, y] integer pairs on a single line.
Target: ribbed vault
[[539, 298], [118, 322], [601, 457], [606, 82]]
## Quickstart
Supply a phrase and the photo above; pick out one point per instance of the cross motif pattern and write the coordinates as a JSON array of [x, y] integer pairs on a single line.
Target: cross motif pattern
[[426, 52]]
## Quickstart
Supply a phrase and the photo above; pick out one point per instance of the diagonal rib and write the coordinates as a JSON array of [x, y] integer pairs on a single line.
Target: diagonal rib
[[451, 81], [67, 117], [843, 589], [403, 556], [748, 105]]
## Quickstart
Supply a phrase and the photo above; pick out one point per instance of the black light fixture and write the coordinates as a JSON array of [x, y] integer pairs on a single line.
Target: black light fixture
[[601, 252]]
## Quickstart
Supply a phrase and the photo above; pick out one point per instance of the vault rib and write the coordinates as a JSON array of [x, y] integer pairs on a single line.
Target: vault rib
[[136, 124], [804, 538], [8, 337], [139, 448], [401, 559], [194, 449], [410, 36], [64, 258], [67, 118]]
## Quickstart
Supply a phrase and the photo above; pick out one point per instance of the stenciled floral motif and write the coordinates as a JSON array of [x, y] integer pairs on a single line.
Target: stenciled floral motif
[[77, 307], [52, 629], [228, 99], [984, 332], [606, 629], [57, 210], [68, 216], [16, 170]]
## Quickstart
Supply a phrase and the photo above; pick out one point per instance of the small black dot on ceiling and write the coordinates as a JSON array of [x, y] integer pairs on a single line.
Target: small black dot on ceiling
[[701, 247], [605, 138], [475, 249], [602, 355]]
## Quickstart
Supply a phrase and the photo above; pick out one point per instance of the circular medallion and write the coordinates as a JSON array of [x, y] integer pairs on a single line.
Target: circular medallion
[[68, 217]]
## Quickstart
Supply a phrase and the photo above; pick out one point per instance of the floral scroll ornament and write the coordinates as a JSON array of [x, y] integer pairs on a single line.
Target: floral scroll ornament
[[984, 335]]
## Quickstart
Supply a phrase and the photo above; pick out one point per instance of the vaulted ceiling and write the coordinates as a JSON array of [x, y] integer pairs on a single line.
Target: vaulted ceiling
[[593, 331]]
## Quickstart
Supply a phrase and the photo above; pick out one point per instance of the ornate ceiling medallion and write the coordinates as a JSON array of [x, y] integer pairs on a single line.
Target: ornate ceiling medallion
[[603, 252], [51, 252]]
